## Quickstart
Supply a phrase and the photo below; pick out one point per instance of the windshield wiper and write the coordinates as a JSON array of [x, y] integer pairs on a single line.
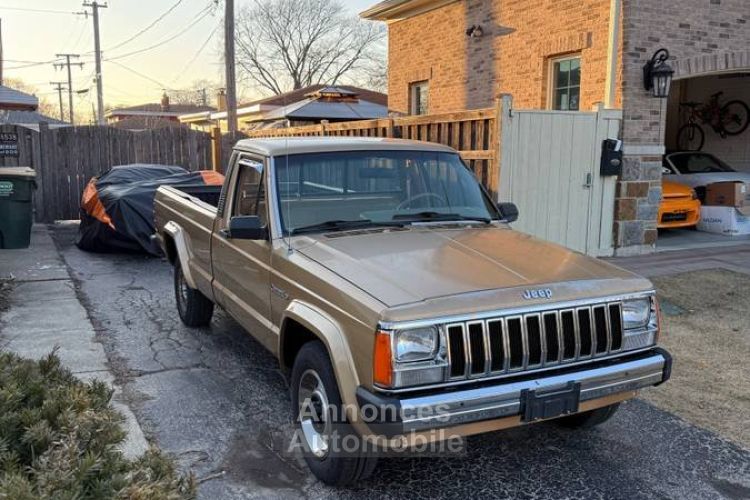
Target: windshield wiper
[[430, 216], [341, 225]]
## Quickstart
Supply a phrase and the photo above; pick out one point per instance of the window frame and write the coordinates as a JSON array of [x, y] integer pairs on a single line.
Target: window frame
[[413, 104], [551, 88], [238, 166]]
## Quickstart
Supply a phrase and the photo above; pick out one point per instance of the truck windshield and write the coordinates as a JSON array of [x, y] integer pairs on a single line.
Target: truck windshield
[[323, 191]]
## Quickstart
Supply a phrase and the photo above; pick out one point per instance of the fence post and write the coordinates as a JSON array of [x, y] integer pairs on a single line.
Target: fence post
[[216, 150], [389, 127], [323, 124]]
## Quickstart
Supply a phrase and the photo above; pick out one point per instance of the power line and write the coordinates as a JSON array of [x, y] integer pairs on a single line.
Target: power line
[[201, 15], [32, 64], [144, 30], [46, 11], [138, 73], [195, 57]]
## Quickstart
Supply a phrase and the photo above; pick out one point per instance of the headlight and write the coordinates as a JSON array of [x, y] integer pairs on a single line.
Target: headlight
[[636, 313], [417, 344]]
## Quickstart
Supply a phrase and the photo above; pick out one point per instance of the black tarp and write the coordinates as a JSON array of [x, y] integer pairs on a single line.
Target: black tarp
[[117, 208]]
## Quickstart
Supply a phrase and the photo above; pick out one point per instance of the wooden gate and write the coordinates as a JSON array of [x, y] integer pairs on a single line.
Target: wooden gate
[[66, 158], [550, 170]]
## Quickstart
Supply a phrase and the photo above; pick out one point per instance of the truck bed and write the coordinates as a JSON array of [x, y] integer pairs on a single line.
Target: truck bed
[[207, 194]]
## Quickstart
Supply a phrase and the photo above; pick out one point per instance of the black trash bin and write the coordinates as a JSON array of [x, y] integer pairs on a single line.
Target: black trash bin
[[17, 186]]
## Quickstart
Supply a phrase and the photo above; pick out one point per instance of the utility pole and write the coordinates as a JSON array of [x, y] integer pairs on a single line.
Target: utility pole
[[229, 66], [70, 80], [60, 86], [95, 6]]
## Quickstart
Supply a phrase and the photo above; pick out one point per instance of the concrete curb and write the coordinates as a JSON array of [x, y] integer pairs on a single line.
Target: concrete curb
[[45, 314]]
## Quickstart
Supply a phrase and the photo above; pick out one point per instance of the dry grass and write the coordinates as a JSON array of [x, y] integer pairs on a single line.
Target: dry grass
[[706, 325]]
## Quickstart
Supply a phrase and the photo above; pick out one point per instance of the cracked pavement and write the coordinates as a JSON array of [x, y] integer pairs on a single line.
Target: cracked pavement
[[215, 399]]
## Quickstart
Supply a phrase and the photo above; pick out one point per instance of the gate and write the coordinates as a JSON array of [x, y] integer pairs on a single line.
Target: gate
[[550, 169]]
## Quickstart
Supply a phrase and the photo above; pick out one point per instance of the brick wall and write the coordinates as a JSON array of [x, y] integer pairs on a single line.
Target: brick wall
[[512, 57], [701, 35]]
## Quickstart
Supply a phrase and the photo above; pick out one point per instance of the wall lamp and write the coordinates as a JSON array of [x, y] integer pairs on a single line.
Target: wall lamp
[[475, 31], [657, 74]]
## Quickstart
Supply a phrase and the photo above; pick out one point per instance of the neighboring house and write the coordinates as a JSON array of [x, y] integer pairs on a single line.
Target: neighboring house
[[305, 106], [452, 55], [152, 116], [20, 108]]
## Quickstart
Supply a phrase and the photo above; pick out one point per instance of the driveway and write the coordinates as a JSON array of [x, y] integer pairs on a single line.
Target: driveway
[[215, 399]]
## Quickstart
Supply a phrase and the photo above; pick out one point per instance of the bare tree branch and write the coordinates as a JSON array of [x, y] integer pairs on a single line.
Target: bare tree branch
[[286, 45]]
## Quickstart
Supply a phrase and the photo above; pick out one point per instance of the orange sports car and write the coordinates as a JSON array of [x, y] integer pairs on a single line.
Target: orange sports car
[[679, 206]]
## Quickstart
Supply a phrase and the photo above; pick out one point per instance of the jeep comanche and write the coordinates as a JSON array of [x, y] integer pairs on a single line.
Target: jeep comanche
[[400, 302]]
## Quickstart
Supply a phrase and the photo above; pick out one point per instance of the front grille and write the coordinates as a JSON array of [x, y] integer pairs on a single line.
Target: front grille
[[535, 340]]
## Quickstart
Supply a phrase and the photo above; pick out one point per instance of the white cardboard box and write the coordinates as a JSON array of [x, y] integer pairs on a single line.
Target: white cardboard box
[[723, 220]]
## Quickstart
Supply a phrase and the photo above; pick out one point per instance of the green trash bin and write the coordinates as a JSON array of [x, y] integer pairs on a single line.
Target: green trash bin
[[17, 186]]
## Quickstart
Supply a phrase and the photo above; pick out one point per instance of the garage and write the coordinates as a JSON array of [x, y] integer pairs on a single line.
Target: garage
[[707, 140]]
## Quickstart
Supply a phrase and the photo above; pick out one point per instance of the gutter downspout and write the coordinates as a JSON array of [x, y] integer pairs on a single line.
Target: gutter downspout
[[610, 90]]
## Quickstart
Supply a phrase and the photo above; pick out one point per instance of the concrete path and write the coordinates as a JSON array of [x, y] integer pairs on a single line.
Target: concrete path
[[45, 314], [732, 258]]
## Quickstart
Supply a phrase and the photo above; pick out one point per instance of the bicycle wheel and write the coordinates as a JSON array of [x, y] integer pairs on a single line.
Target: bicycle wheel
[[690, 137], [735, 116]]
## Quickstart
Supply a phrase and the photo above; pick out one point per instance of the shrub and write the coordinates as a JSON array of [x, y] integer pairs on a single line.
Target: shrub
[[59, 437]]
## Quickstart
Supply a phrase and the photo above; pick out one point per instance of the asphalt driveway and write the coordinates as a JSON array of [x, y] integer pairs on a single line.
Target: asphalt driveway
[[215, 399]]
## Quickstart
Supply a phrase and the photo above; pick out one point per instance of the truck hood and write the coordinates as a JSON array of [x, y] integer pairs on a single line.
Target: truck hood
[[421, 263]]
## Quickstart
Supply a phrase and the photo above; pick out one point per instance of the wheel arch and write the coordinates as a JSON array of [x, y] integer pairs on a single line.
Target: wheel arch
[[177, 249], [301, 323]]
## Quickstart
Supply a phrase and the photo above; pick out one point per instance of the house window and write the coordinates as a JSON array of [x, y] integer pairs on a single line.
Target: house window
[[419, 98], [565, 86]]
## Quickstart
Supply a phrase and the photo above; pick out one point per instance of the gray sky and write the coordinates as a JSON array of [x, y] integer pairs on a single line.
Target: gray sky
[[31, 37]]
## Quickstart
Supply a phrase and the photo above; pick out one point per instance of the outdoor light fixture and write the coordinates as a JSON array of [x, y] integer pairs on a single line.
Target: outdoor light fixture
[[475, 31], [657, 74]]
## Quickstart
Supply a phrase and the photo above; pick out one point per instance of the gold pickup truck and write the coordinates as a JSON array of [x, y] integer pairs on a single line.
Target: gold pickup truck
[[401, 304]]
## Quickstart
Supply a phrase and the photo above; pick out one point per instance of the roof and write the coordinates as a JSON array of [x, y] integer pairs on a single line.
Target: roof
[[279, 146], [315, 109], [16, 97], [21, 117], [156, 109], [394, 10], [300, 94], [144, 123]]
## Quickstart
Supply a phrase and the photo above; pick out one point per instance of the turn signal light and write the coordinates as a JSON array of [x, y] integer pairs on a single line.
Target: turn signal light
[[382, 367]]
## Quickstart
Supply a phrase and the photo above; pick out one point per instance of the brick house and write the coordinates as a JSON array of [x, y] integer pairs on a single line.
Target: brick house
[[451, 55]]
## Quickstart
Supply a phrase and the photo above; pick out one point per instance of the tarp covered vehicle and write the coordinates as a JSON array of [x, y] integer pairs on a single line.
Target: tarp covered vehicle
[[117, 208]]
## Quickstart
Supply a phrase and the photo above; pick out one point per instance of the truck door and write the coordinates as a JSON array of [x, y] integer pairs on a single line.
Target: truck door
[[241, 267]]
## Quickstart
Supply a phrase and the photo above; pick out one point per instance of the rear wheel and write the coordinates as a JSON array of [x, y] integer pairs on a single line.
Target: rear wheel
[[735, 117], [194, 308], [331, 447], [588, 419]]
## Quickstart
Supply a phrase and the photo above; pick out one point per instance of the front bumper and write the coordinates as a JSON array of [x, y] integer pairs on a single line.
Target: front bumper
[[390, 416]]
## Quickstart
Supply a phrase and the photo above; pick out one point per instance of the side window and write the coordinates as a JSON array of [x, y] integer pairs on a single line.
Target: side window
[[419, 93], [250, 196]]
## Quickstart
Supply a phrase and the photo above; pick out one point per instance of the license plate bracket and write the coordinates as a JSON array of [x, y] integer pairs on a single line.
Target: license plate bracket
[[550, 404]]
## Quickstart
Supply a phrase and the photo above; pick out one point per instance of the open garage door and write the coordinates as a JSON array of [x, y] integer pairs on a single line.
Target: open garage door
[[550, 170]]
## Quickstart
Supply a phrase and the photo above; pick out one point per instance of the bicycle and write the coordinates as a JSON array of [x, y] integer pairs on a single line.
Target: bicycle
[[731, 118]]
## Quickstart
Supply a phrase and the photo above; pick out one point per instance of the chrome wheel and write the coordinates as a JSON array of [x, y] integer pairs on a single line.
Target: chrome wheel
[[314, 413]]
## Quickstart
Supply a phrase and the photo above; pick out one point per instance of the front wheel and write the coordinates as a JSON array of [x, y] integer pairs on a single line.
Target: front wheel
[[194, 308], [588, 419], [690, 137], [331, 448]]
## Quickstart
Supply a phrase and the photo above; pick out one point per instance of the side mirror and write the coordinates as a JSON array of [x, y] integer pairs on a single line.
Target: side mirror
[[666, 171], [509, 211], [246, 227]]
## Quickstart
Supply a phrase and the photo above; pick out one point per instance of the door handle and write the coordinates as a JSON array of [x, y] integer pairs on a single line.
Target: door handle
[[588, 182]]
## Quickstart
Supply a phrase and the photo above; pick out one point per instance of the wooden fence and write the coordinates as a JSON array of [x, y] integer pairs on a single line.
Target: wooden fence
[[473, 133], [66, 158]]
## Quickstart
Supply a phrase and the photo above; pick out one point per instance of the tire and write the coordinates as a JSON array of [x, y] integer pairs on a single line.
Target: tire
[[588, 419], [194, 308], [690, 137], [735, 117], [311, 373]]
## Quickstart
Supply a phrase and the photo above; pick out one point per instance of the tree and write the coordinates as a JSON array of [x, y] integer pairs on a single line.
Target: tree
[[286, 45]]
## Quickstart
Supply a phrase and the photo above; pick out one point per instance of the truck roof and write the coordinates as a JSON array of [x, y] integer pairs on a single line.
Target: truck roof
[[278, 146]]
